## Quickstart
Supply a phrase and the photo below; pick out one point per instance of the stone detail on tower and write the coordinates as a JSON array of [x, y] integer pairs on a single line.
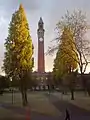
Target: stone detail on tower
[[40, 33]]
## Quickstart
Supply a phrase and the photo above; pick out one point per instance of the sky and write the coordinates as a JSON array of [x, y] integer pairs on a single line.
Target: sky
[[50, 10]]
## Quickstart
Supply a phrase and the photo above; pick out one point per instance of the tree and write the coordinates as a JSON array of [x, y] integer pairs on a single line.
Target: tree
[[65, 55], [64, 62], [4, 83], [78, 24], [18, 61]]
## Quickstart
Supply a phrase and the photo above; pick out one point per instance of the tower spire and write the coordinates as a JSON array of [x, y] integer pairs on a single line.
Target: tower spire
[[41, 21]]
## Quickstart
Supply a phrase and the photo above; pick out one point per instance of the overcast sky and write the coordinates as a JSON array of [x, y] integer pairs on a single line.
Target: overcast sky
[[51, 12]]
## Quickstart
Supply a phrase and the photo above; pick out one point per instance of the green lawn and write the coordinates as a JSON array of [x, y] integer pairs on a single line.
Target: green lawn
[[37, 100], [39, 103], [81, 100]]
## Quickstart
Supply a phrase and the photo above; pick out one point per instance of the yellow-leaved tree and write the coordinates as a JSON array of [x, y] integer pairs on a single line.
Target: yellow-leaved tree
[[18, 60], [66, 58]]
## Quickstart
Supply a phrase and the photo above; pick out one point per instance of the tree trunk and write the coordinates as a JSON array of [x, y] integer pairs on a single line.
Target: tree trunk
[[83, 79], [88, 91], [23, 88], [24, 97], [72, 94], [84, 83], [39, 88], [44, 87]]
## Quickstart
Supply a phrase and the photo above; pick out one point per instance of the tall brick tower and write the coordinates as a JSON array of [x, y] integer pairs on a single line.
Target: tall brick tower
[[40, 33]]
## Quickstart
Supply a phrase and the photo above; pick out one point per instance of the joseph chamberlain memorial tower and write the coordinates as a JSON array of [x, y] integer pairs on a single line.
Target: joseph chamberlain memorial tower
[[40, 75], [40, 33]]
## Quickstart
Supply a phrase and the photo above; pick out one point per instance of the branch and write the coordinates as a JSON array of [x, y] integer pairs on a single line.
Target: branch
[[86, 62], [56, 39], [84, 57], [70, 56], [85, 67], [51, 50], [75, 51]]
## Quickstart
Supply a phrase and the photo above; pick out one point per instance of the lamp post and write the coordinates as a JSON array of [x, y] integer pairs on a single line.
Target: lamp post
[[42, 82], [11, 88]]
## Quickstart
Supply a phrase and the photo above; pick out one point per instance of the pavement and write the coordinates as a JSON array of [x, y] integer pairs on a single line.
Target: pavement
[[17, 112], [76, 113]]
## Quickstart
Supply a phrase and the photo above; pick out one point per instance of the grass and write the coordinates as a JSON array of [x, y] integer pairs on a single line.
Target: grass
[[5, 114], [38, 103], [81, 100]]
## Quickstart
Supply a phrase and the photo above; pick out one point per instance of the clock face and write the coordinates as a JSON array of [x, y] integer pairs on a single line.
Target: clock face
[[41, 39]]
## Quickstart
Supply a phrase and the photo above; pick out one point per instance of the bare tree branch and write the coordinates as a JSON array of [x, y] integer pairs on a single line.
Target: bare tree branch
[[78, 24]]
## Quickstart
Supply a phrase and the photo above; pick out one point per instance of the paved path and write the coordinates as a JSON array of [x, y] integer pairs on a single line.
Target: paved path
[[76, 112]]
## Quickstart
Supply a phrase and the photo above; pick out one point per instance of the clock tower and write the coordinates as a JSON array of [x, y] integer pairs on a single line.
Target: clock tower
[[40, 33]]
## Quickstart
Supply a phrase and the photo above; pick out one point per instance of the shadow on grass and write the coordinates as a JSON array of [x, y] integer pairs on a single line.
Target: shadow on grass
[[22, 111], [75, 111]]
